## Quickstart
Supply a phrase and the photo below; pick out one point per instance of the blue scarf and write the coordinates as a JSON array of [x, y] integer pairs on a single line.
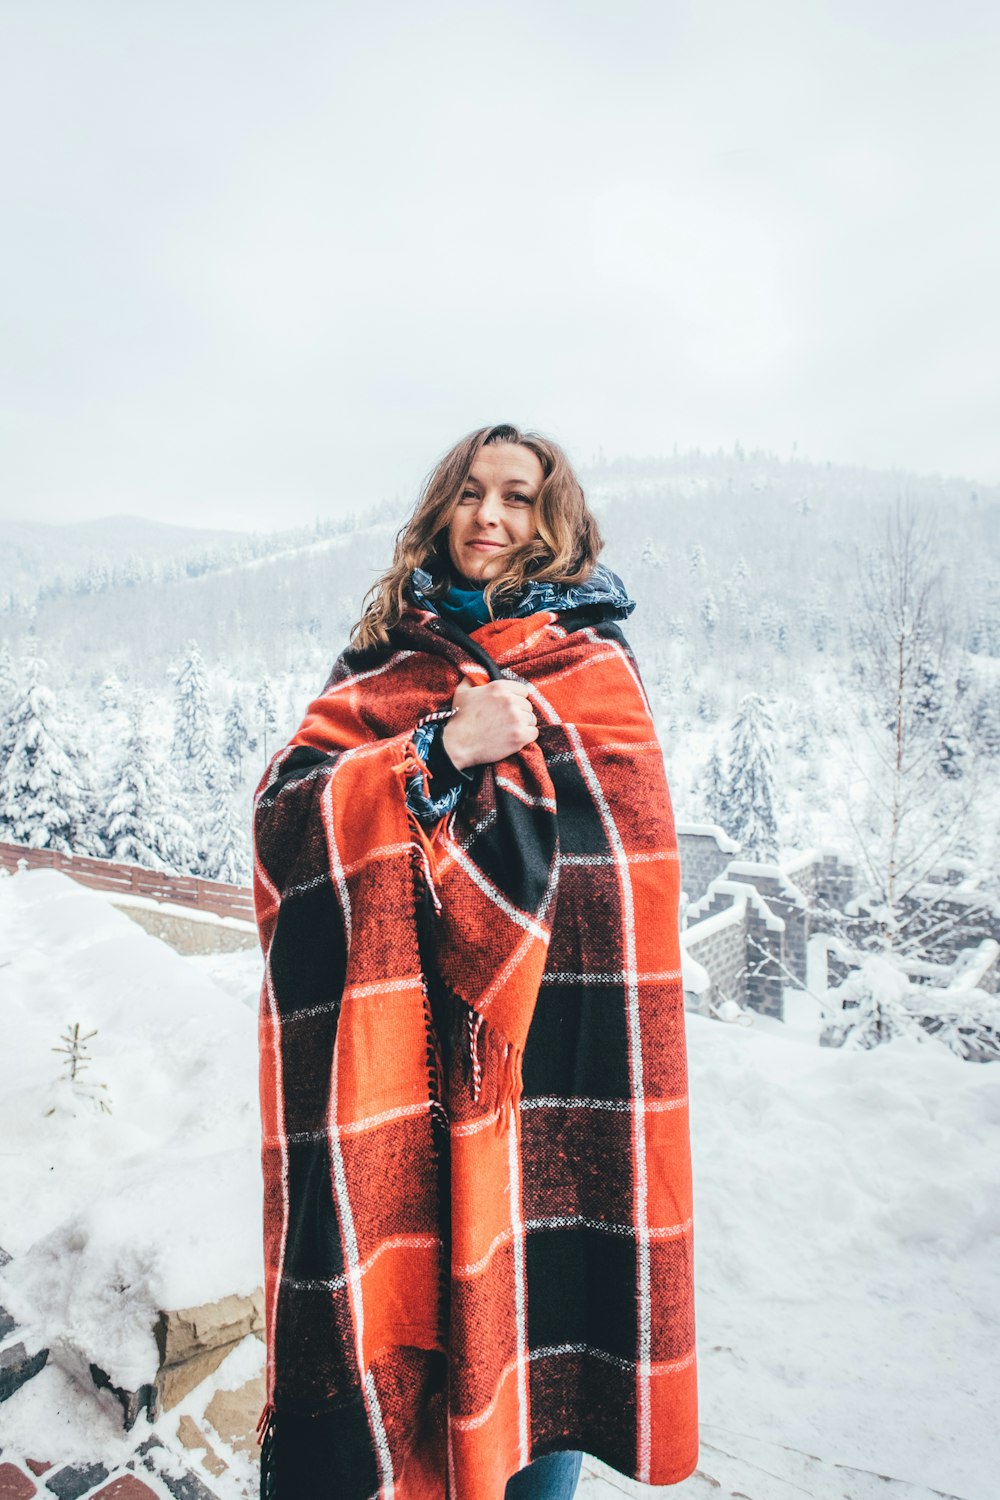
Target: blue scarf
[[467, 607]]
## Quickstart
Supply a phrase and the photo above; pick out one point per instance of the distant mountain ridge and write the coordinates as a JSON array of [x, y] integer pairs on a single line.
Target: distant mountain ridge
[[38, 560], [734, 552]]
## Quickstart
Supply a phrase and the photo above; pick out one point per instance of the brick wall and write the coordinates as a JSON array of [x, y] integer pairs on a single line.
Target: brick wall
[[718, 944], [705, 851]]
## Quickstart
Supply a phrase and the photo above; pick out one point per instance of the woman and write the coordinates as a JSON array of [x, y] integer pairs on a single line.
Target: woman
[[478, 1237]]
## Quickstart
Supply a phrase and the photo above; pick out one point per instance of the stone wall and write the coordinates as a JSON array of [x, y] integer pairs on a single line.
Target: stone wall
[[189, 935], [951, 921], [728, 901], [719, 945], [705, 851], [836, 881]]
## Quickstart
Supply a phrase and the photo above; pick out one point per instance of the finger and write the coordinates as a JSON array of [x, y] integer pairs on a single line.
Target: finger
[[523, 688], [465, 685]]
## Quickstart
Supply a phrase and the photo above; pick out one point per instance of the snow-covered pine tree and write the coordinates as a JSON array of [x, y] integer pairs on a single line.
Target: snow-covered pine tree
[[708, 708], [110, 693], [176, 819], [266, 705], [194, 748], [235, 737], [715, 790], [986, 722], [142, 826], [196, 768], [749, 811], [709, 615], [43, 786], [8, 683], [227, 856]]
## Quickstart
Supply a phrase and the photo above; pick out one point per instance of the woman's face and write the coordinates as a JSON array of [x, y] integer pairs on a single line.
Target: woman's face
[[495, 511]]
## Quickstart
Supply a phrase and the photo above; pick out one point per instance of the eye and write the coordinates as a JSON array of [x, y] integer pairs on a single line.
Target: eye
[[521, 499]]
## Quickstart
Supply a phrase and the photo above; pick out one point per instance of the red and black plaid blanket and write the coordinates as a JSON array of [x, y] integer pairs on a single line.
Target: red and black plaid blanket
[[478, 1217]]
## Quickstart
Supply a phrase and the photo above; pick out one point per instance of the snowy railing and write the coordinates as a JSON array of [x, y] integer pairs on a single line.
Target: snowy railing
[[108, 875]]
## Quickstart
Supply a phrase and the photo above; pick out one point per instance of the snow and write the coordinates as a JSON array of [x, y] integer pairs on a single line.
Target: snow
[[846, 1224], [710, 830], [124, 899], [157, 1204], [696, 979], [847, 1213], [976, 967], [741, 891]]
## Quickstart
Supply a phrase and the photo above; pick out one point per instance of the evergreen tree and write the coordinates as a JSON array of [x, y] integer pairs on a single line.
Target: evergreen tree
[[141, 826], [194, 749], [696, 560], [235, 737], [708, 710], [228, 853], [822, 628], [109, 694], [43, 787], [716, 792], [750, 786], [178, 820], [986, 722], [774, 626], [709, 616], [266, 705], [8, 682]]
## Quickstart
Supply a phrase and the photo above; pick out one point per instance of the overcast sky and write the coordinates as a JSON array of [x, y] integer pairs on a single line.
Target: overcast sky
[[263, 261]]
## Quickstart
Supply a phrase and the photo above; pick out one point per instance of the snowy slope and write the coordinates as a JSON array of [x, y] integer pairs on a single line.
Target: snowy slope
[[847, 1219], [847, 1211], [35, 552], [111, 1216]]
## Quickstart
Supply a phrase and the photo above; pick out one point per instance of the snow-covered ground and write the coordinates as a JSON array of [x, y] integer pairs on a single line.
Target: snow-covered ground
[[847, 1215], [154, 1202]]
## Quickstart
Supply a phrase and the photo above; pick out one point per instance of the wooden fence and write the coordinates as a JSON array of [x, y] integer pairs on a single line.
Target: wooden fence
[[132, 880]]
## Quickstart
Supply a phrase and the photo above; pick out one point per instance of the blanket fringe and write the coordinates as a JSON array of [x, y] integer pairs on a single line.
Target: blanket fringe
[[410, 764], [493, 1067], [503, 1059], [266, 1438], [511, 1089]]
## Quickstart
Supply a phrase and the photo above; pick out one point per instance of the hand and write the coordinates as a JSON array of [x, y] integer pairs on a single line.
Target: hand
[[493, 721]]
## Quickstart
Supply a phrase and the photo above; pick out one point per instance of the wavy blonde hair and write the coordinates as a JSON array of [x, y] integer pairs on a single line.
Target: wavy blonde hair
[[565, 549]]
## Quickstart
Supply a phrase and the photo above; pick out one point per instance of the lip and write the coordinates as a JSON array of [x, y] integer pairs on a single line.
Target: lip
[[481, 545]]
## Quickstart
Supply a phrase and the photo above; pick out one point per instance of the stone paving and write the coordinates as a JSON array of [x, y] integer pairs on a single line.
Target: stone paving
[[142, 1477]]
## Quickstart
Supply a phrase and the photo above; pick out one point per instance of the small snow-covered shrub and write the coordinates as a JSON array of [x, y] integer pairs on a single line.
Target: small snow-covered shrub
[[879, 1002], [873, 999]]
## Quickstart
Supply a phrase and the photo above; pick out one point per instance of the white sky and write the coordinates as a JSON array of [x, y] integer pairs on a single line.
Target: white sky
[[260, 262]]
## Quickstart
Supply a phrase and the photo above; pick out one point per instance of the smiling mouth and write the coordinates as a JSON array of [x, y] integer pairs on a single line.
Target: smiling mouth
[[484, 544]]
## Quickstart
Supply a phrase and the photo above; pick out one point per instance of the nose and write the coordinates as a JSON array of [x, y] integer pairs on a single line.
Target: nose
[[488, 511]]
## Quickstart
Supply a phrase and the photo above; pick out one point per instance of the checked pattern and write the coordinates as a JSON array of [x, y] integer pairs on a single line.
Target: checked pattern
[[478, 1211]]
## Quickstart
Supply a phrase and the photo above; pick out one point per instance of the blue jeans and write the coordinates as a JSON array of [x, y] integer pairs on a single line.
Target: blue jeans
[[552, 1477]]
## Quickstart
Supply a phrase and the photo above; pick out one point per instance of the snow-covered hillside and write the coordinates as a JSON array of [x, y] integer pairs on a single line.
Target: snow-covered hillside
[[847, 1212], [747, 575]]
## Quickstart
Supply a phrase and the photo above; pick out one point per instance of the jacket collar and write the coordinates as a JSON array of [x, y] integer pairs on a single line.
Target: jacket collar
[[602, 587]]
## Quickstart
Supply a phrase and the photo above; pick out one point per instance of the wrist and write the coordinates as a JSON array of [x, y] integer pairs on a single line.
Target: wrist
[[451, 739]]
